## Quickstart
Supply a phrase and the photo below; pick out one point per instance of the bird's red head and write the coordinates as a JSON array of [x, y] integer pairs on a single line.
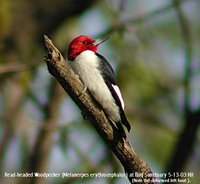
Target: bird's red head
[[81, 44]]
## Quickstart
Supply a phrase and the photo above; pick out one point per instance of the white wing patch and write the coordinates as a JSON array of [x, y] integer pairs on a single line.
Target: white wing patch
[[117, 90]]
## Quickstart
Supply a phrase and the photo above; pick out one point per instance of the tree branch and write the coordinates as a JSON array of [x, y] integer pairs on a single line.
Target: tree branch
[[121, 25], [40, 154], [186, 141], [131, 162]]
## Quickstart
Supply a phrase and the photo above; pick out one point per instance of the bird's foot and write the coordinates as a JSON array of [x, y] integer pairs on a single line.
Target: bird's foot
[[84, 115], [84, 90]]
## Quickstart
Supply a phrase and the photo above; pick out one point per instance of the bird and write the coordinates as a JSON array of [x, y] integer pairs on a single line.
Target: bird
[[98, 76]]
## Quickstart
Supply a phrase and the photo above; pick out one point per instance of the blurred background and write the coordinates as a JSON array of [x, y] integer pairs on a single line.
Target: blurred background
[[154, 49]]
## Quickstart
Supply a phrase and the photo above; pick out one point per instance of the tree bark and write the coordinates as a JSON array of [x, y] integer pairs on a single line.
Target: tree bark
[[135, 168]]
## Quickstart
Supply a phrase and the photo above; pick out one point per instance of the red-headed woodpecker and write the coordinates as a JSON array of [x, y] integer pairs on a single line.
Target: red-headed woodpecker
[[98, 77]]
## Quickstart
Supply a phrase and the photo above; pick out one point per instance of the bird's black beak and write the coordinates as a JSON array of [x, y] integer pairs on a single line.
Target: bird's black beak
[[100, 41]]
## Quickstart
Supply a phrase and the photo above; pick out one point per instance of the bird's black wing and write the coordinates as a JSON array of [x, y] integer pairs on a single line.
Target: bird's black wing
[[107, 70], [109, 78]]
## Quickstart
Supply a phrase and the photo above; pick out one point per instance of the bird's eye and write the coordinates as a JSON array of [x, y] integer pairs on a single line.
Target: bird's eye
[[86, 42]]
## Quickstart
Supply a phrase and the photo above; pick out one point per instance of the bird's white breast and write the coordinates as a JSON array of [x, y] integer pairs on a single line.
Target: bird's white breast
[[86, 66]]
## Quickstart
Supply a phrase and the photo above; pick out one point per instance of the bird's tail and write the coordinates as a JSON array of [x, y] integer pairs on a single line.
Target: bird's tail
[[125, 121]]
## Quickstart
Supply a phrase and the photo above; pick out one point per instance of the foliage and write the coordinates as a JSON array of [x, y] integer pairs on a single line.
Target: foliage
[[154, 48]]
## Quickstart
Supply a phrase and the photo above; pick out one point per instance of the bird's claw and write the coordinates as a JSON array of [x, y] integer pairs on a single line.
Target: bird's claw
[[84, 90], [84, 115]]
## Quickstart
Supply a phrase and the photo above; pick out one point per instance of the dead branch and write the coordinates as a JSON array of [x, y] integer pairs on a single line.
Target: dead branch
[[131, 162]]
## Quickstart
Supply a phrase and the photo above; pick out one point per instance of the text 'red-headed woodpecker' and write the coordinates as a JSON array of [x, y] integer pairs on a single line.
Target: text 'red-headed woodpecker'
[[98, 77]]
